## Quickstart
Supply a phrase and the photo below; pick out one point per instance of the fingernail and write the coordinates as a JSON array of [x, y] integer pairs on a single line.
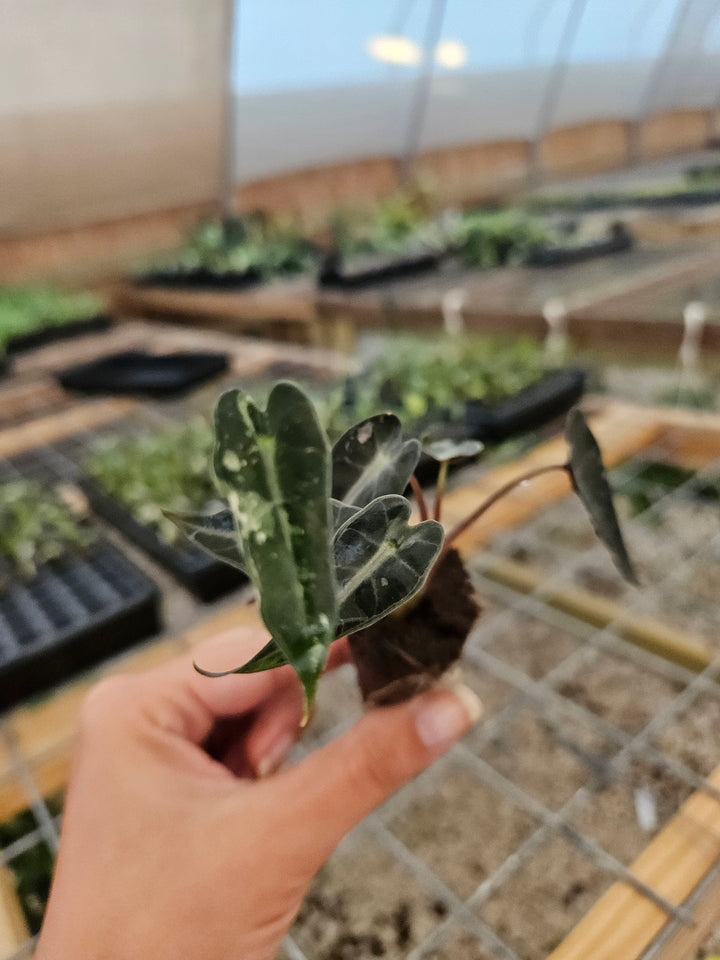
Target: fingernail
[[445, 715], [274, 756]]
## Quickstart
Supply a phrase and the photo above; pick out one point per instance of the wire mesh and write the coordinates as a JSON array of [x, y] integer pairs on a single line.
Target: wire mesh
[[585, 752]]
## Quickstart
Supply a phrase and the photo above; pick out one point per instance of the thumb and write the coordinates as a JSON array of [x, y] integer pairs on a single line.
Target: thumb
[[338, 785]]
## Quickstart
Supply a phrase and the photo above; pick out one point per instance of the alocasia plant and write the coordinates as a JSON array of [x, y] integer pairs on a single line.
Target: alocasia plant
[[326, 538]]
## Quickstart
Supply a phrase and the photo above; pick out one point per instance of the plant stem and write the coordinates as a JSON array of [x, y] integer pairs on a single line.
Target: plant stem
[[498, 495], [419, 497], [440, 489]]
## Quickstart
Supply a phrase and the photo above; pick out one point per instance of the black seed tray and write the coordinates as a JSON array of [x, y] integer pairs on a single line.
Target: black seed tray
[[619, 241], [200, 279], [526, 410], [75, 612], [363, 271], [200, 573], [63, 331], [135, 371]]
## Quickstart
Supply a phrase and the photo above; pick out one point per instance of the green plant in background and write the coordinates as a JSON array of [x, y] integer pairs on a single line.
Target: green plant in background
[[398, 224], [493, 238], [239, 244], [33, 868], [36, 525], [25, 310], [424, 378], [153, 471], [324, 535]]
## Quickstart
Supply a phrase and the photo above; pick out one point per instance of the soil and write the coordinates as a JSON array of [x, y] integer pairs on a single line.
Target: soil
[[407, 651], [363, 905], [693, 736]]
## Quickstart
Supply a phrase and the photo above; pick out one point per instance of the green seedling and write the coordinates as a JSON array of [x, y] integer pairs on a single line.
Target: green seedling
[[36, 525], [325, 536]]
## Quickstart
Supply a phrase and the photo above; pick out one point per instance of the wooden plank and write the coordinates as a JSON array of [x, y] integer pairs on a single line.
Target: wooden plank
[[58, 426], [706, 916], [13, 928], [623, 923], [658, 637]]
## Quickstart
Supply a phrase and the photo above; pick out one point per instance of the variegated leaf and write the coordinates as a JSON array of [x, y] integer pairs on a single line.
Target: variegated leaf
[[274, 468], [214, 533], [381, 561], [372, 460]]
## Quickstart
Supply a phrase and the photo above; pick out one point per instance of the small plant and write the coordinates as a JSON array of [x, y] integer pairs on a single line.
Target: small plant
[[25, 310], [36, 525], [241, 244], [493, 238], [399, 223], [153, 470], [326, 538]]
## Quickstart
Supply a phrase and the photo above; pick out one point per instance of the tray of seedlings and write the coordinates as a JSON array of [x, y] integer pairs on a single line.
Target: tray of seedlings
[[232, 254], [398, 240], [31, 317], [140, 372], [574, 245], [489, 389], [131, 481], [68, 597]]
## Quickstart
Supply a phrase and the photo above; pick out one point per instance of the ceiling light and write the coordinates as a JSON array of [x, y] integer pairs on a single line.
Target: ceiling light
[[394, 49], [451, 54]]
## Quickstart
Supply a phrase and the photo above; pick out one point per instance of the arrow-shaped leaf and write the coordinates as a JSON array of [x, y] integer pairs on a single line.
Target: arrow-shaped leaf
[[268, 658], [274, 468], [591, 485], [214, 533], [372, 460], [381, 561]]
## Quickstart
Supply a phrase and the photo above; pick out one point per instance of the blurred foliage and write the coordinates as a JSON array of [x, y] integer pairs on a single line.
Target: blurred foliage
[[696, 397], [33, 868], [424, 379], [398, 224], [26, 310], [239, 244], [37, 525], [493, 238], [152, 472]]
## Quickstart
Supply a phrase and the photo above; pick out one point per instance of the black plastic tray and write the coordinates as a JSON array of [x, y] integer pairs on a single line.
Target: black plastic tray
[[4, 364], [204, 576], [64, 331], [528, 409], [135, 371], [619, 240], [75, 612], [376, 268], [199, 279]]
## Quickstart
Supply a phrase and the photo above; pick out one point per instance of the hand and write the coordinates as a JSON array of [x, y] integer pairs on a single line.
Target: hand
[[176, 843]]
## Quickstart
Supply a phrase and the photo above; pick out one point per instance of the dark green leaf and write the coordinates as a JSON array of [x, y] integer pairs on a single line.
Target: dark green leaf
[[341, 513], [372, 460], [381, 561], [443, 450], [274, 467], [214, 533], [268, 658], [591, 485]]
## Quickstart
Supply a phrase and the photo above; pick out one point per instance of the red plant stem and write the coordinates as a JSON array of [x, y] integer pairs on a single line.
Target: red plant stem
[[419, 497], [498, 495], [440, 489]]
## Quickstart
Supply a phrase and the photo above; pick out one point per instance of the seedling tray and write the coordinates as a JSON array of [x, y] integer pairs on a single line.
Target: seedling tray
[[566, 256], [64, 331], [76, 611], [526, 410], [369, 269], [202, 575], [135, 371], [199, 279]]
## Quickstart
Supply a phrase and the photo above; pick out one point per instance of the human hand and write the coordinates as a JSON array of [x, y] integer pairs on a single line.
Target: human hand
[[175, 841]]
